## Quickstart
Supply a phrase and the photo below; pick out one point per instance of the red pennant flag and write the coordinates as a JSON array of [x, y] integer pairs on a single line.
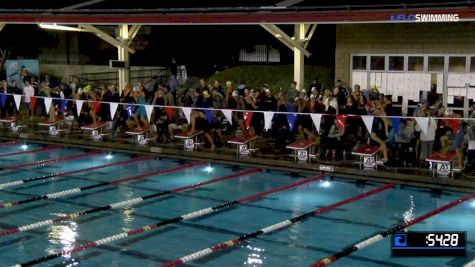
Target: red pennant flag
[[340, 122], [169, 112], [32, 104], [96, 106], [453, 124], [247, 119]]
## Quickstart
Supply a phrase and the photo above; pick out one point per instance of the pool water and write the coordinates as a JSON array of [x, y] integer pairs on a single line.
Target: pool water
[[298, 245]]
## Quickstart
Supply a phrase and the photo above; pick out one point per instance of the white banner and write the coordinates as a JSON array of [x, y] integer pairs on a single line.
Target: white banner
[[228, 114], [423, 122], [113, 109], [187, 112], [316, 118], [148, 110], [268, 115], [48, 101], [368, 122], [17, 101]]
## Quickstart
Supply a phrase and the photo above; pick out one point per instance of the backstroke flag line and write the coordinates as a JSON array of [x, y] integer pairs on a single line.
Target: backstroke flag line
[[316, 118], [113, 109]]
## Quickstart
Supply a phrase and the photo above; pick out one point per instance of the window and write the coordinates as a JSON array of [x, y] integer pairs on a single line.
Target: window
[[359, 62], [457, 64], [377, 63], [415, 63], [472, 64], [436, 64], [396, 63]]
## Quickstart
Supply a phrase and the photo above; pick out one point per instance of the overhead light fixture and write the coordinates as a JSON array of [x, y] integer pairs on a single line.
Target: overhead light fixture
[[278, 35], [55, 26]]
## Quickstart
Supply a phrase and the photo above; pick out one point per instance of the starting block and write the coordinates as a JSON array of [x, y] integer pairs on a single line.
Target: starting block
[[96, 130], [368, 156], [190, 140], [442, 164], [243, 144], [53, 126], [301, 150], [12, 122], [139, 136]]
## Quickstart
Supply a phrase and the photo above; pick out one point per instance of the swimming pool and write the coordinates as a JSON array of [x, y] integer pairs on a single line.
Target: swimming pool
[[105, 179]]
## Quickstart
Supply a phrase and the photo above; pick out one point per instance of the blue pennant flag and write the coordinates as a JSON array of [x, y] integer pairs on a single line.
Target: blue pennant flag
[[62, 105], [3, 99], [395, 124], [130, 111], [209, 115], [291, 118]]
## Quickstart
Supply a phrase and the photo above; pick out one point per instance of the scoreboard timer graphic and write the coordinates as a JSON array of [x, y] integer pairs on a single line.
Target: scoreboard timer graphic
[[429, 244]]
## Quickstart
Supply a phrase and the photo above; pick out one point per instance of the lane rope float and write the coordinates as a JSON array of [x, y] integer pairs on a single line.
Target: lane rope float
[[380, 236], [30, 151], [470, 264], [188, 216], [9, 143], [85, 188], [45, 162], [272, 228], [122, 204], [62, 174]]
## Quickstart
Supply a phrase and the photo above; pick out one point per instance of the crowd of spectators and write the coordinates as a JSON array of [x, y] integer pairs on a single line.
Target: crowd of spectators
[[402, 141]]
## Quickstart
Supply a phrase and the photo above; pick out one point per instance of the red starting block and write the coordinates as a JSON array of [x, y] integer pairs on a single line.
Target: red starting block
[[442, 164], [243, 144], [53, 126], [367, 154], [12, 122], [190, 140], [96, 129], [301, 150]]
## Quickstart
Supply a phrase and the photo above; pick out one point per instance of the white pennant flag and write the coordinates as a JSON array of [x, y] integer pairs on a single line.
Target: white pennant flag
[[78, 106], [187, 112], [368, 122], [17, 101], [316, 118], [423, 122], [48, 102], [227, 113], [113, 109], [268, 115], [149, 109]]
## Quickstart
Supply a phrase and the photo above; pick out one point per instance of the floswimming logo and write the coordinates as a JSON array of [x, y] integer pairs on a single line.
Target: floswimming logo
[[424, 17]]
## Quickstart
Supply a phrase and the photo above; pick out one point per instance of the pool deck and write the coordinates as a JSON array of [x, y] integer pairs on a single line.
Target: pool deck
[[416, 177]]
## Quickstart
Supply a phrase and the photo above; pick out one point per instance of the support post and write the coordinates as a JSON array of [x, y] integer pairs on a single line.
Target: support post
[[123, 55], [299, 60]]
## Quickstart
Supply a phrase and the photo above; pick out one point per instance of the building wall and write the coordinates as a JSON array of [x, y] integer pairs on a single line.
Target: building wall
[[417, 38]]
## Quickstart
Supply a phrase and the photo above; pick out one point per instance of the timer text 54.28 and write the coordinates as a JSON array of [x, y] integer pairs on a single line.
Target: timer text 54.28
[[442, 240]]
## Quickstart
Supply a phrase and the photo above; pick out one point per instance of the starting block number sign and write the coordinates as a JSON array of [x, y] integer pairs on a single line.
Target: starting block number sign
[[369, 162], [53, 131], [443, 169], [96, 135], [243, 150], [141, 139], [14, 127], [302, 155], [189, 144]]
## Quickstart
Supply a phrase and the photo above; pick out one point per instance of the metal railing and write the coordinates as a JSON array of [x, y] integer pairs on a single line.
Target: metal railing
[[112, 78]]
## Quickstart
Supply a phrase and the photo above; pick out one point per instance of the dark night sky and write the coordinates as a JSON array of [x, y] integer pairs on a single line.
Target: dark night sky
[[198, 47], [203, 46]]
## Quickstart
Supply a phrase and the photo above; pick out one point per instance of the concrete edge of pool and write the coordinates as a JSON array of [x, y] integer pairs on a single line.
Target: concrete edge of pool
[[345, 172]]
